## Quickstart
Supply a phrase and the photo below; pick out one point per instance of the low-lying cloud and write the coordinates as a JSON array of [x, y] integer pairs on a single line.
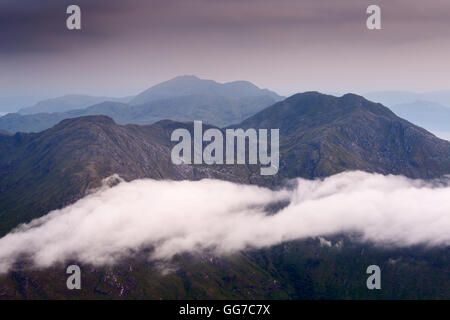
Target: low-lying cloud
[[172, 217]]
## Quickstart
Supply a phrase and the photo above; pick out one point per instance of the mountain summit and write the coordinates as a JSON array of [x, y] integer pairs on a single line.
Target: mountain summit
[[191, 85]]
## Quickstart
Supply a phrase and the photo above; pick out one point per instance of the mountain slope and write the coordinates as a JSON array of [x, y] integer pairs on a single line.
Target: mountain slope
[[212, 109], [43, 171], [292, 270]]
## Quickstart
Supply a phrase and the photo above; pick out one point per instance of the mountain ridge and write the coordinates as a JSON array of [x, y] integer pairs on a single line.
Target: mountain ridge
[[67, 103], [182, 98], [320, 135]]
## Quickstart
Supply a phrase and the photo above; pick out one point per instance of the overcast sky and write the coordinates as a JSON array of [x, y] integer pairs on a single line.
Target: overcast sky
[[285, 45]]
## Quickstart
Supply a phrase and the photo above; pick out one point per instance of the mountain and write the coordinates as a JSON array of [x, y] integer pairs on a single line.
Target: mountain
[[430, 115], [66, 103], [391, 98], [43, 171], [193, 86], [185, 98], [321, 135]]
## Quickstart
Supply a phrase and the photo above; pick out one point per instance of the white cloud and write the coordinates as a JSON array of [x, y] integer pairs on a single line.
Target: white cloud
[[324, 242], [185, 216]]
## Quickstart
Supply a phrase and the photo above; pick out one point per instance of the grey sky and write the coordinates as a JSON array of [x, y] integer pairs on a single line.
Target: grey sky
[[285, 45]]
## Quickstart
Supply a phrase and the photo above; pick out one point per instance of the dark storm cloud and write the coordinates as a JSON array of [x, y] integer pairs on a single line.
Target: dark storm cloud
[[29, 26], [287, 45]]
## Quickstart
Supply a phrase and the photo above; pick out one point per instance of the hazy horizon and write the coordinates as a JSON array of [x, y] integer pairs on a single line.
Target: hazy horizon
[[37, 98]]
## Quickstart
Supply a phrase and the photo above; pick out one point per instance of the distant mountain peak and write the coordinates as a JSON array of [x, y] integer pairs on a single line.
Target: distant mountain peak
[[188, 85]]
